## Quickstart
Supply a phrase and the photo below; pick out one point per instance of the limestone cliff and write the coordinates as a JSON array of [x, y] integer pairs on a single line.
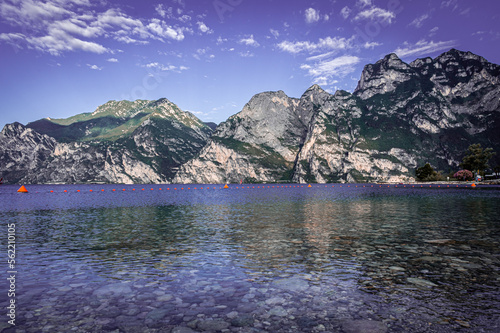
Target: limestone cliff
[[399, 117]]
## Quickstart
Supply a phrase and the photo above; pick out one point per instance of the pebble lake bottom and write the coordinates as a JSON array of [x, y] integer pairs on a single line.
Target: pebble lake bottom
[[256, 259]]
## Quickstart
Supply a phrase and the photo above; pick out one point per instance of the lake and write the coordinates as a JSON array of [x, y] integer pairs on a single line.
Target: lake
[[251, 258]]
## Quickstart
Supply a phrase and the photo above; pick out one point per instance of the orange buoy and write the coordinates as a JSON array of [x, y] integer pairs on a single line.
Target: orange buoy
[[22, 189], [309, 185], [225, 186], [473, 185]]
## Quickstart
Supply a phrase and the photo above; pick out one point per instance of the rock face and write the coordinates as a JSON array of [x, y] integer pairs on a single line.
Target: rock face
[[399, 117], [120, 142]]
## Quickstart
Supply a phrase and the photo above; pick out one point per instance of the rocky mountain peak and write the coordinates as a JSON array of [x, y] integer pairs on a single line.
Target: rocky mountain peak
[[160, 102], [383, 76], [314, 88], [13, 129], [457, 55], [120, 109], [315, 94]]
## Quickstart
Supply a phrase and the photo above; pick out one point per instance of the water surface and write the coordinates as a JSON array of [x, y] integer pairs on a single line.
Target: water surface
[[254, 258]]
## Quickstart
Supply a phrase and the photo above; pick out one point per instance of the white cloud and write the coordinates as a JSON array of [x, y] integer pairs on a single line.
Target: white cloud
[[160, 9], [376, 14], [162, 29], [275, 33], [57, 43], [165, 68], [185, 18], [323, 72], [30, 12], [94, 67], [433, 31], [59, 26], [130, 40], [363, 3], [202, 52], [449, 3], [221, 40], [328, 43], [419, 21], [250, 41], [112, 60], [203, 28], [312, 15], [423, 47], [246, 54], [115, 18], [345, 12], [371, 45], [321, 56], [77, 27], [12, 37]]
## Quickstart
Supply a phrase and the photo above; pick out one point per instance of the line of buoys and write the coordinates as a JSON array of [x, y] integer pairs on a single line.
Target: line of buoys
[[23, 189]]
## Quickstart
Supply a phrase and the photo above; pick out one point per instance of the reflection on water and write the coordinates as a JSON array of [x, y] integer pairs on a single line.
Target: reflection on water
[[295, 260]]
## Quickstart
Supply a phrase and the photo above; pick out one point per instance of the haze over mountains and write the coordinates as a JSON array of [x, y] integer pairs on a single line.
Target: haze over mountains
[[399, 117]]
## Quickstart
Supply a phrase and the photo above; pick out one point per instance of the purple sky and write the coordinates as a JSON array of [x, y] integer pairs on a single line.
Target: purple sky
[[64, 57]]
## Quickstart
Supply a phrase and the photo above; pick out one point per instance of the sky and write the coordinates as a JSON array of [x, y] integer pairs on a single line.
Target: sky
[[59, 58]]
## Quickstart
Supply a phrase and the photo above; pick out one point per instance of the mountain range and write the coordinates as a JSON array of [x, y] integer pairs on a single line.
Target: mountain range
[[399, 117]]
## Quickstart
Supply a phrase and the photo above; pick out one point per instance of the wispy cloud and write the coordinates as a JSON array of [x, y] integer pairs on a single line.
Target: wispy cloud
[[371, 45], [433, 31], [323, 44], [112, 60], [419, 21], [246, 54], [165, 68], [453, 4], [376, 14], [423, 47], [345, 12], [94, 67], [250, 41], [324, 71], [363, 3]]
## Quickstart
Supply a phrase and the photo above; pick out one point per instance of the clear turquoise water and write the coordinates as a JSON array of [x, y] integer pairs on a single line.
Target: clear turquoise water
[[291, 259]]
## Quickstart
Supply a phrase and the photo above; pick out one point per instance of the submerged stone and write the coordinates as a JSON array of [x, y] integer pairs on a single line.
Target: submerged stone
[[115, 288], [365, 326], [293, 284], [213, 325], [421, 282]]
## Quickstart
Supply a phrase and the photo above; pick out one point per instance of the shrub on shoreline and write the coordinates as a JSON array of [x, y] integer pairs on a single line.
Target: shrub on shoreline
[[463, 175]]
